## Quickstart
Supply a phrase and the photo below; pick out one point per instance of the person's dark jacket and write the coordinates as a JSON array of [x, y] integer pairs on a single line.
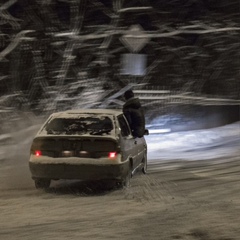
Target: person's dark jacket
[[133, 111]]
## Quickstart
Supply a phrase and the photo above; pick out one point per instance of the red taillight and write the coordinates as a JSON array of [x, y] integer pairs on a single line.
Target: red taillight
[[38, 153], [112, 155]]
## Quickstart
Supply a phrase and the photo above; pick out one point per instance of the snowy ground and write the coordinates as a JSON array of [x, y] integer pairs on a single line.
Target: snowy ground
[[189, 144], [179, 198]]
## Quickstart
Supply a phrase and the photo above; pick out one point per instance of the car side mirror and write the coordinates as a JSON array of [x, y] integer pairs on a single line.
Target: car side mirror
[[146, 132]]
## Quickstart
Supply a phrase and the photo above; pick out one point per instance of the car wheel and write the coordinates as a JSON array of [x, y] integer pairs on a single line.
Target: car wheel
[[42, 183], [126, 181], [144, 163]]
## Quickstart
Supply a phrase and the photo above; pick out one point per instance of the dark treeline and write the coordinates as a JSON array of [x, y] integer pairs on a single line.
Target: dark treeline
[[45, 45]]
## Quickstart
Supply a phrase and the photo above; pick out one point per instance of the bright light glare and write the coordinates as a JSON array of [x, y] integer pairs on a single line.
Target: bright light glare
[[112, 154], [67, 153], [38, 153], [154, 131]]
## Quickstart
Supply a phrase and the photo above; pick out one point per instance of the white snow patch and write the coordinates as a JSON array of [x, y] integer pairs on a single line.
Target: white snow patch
[[197, 144]]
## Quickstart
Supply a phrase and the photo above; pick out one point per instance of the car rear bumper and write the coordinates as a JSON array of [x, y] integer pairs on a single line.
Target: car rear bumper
[[80, 171]]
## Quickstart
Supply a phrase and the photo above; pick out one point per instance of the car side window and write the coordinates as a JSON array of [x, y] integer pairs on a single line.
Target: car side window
[[124, 126]]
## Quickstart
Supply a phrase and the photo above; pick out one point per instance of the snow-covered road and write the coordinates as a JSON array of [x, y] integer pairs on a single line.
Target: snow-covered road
[[195, 145], [195, 200]]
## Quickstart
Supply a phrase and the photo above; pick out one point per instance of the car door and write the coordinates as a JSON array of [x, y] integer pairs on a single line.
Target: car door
[[140, 148], [127, 142]]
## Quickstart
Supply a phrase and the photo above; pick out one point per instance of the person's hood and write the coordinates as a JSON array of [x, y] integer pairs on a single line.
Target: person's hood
[[132, 103]]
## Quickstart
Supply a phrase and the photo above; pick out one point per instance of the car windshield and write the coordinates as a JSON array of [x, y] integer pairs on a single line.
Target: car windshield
[[79, 126]]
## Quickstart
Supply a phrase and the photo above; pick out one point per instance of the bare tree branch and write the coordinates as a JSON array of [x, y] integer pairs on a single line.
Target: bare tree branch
[[15, 42], [7, 4], [146, 34], [76, 27]]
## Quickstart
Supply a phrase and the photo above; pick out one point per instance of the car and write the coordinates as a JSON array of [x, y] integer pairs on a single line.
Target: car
[[86, 144]]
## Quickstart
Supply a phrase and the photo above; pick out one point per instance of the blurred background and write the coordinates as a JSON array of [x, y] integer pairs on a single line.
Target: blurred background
[[181, 58]]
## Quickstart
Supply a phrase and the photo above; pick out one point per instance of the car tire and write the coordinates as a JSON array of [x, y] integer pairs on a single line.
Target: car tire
[[126, 181], [144, 162], [42, 183]]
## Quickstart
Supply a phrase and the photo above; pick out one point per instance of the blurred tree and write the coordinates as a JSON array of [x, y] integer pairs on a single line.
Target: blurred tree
[[45, 45]]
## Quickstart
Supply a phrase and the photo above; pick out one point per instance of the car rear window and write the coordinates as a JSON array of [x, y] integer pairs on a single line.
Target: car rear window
[[82, 125]]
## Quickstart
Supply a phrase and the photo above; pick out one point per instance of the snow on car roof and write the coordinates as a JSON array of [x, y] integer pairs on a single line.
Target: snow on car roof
[[71, 113], [78, 114]]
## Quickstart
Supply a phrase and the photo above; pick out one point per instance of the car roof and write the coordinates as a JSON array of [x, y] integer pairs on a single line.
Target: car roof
[[68, 113]]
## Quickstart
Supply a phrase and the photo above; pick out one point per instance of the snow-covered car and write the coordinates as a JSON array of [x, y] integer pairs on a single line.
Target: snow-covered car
[[86, 144]]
